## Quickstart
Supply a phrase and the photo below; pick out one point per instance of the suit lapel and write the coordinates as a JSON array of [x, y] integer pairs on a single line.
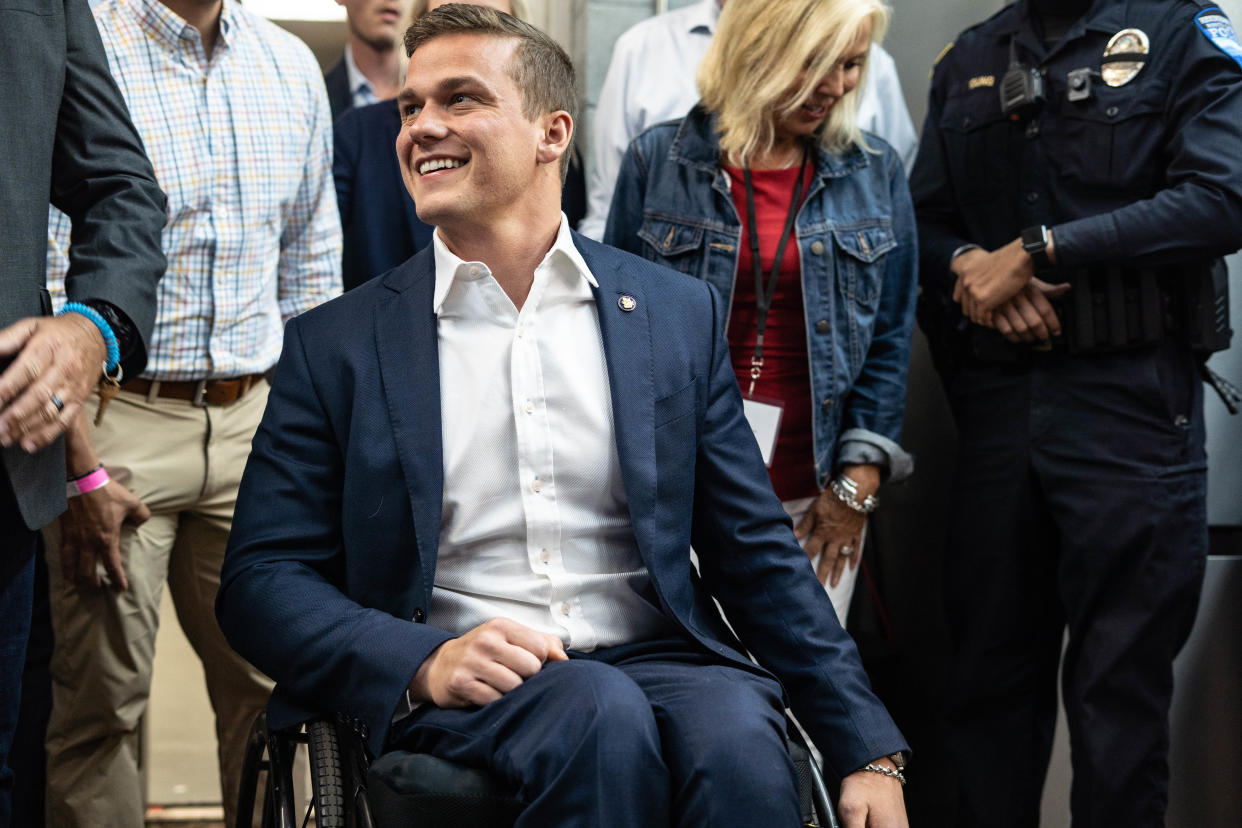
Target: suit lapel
[[405, 338], [627, 349]]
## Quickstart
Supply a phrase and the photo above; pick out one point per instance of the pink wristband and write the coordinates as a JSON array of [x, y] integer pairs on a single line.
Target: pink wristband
[[95, 480]]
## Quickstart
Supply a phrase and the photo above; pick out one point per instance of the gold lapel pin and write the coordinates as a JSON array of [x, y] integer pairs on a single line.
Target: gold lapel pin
[[627, 302]]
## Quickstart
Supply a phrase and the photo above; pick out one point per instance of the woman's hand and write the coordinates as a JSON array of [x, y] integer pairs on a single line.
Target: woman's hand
[[833, 530]]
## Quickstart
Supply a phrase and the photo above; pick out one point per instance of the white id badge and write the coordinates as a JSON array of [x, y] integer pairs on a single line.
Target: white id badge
[[764, 416]]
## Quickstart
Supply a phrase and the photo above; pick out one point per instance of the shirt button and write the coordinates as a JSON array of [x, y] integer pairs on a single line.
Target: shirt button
[[1031, 198], [536, 485], [822, 326], [565, 608], [826, 404], [474, 271], [817, 247], [1111, 111], [529, 407], [544, 555]]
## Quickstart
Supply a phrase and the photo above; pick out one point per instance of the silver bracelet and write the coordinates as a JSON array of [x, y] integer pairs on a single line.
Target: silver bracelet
[[896, 774], [846, 491]]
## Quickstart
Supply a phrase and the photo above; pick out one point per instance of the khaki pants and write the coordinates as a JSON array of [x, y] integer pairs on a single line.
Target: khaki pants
[[185, 463]]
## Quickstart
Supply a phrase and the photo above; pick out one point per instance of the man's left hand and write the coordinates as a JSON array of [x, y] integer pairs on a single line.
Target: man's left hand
[[872, 800], [57, 358], [985, 280]]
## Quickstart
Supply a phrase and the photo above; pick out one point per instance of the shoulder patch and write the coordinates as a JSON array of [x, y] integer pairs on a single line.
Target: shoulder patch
[[939, 58], [1216, 27]]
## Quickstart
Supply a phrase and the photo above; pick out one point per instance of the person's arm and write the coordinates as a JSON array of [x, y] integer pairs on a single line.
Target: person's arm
[[102, 179], [753, 566], [941, 231], [1198, 214], [875, 406], [309, 272], [280, 603], [611, 134], [868, 450], [625, 216], [91, 526]]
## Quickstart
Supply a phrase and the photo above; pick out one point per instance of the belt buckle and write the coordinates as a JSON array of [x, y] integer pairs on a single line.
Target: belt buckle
[[200, 391]]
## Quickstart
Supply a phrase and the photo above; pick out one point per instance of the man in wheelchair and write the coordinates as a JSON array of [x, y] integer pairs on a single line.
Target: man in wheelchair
[[467, 517]]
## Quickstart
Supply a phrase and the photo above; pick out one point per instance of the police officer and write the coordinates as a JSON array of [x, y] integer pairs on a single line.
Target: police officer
[[1079, 171]]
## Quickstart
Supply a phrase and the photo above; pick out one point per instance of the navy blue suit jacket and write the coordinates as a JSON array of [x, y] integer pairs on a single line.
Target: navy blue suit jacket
[[377, 214], [336, 79], [332, 557]]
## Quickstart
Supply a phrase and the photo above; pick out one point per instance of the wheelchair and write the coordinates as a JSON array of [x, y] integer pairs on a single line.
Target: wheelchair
[[401, 789]]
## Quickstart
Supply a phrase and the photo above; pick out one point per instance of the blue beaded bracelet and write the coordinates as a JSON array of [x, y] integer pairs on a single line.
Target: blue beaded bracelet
[[105, 330]]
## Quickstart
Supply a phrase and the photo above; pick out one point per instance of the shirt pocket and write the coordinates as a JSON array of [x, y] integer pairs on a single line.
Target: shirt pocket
[[1109, 140], [861, 249], [673, 244], [977, 145]]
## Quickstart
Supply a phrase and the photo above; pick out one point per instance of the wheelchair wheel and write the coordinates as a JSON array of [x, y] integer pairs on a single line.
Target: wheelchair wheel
[[338, 765], [327, 785], [268, 763]]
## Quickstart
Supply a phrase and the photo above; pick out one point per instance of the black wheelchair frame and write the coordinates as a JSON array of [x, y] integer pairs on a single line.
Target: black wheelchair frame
[[411, 790]]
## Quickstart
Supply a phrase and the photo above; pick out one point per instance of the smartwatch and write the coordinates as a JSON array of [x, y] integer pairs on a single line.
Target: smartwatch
[[1035, 243]]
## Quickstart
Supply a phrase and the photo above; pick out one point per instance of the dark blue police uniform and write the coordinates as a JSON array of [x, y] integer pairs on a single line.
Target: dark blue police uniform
[[1080, 494]]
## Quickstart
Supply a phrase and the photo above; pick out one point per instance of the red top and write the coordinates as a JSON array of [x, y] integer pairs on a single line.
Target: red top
[[786, 370]]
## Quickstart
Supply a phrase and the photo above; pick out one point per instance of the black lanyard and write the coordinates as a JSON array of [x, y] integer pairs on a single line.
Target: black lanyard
[[763, 298]]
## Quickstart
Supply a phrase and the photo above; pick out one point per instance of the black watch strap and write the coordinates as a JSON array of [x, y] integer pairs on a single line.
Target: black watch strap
[[1035, 243]]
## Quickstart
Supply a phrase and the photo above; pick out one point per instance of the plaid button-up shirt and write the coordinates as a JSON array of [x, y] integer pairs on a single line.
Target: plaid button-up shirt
[[242, 145]]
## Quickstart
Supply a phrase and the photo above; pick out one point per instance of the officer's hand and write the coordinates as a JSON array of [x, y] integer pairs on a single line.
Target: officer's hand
[[1029, 316], [987, 280], [484, 664]]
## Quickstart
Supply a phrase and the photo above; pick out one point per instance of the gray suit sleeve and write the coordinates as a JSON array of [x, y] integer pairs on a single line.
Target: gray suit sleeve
[[103, 180]]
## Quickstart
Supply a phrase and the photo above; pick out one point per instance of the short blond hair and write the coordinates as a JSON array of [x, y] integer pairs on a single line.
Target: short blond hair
[[759, 50]]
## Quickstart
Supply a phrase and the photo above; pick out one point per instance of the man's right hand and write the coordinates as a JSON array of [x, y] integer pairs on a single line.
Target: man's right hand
[[91, 531], [484, 664], [53, 356]]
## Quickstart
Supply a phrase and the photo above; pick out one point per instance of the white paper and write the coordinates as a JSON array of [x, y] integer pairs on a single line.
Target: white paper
[[765, 422]]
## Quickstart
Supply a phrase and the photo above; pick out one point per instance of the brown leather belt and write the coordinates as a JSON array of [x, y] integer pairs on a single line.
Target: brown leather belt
[[197, 392]]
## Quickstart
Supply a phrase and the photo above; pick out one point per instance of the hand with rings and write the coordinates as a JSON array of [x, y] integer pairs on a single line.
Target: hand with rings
[[56, 364]]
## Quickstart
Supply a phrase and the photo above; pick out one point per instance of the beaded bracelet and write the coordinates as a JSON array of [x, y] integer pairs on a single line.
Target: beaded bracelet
[[105, 330]]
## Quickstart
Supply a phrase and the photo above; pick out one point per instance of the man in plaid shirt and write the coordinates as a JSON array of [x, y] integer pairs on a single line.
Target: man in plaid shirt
[[234, 115]]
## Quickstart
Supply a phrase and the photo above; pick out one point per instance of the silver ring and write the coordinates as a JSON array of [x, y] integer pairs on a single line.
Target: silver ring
[[60, 405], [845, 550]]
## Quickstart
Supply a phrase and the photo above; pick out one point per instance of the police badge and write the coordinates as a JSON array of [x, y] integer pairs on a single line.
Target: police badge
[[1124, 56]]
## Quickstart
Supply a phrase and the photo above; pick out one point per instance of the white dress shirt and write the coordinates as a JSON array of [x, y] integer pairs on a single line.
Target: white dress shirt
[[651, 79], [535, 525]]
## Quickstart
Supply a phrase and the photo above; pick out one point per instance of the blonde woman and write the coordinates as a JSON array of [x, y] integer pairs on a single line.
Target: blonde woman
[[768, 190]]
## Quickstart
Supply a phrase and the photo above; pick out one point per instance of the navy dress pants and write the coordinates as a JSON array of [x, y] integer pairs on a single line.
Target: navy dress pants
[[1079, 507], [16, 593], [627, 737]]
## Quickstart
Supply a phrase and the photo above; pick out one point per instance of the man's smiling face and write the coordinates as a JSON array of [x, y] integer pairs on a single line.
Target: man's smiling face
[[467, 151]]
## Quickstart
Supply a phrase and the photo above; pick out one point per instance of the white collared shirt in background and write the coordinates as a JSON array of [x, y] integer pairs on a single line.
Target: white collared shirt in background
[[651, 79], [241, 143], [535, 525]]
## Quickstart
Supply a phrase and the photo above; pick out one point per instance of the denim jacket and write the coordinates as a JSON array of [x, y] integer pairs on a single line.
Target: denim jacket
[[857, 240]]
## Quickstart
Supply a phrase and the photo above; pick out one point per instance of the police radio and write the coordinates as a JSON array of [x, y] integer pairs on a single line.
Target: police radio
[[1021, 88]]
